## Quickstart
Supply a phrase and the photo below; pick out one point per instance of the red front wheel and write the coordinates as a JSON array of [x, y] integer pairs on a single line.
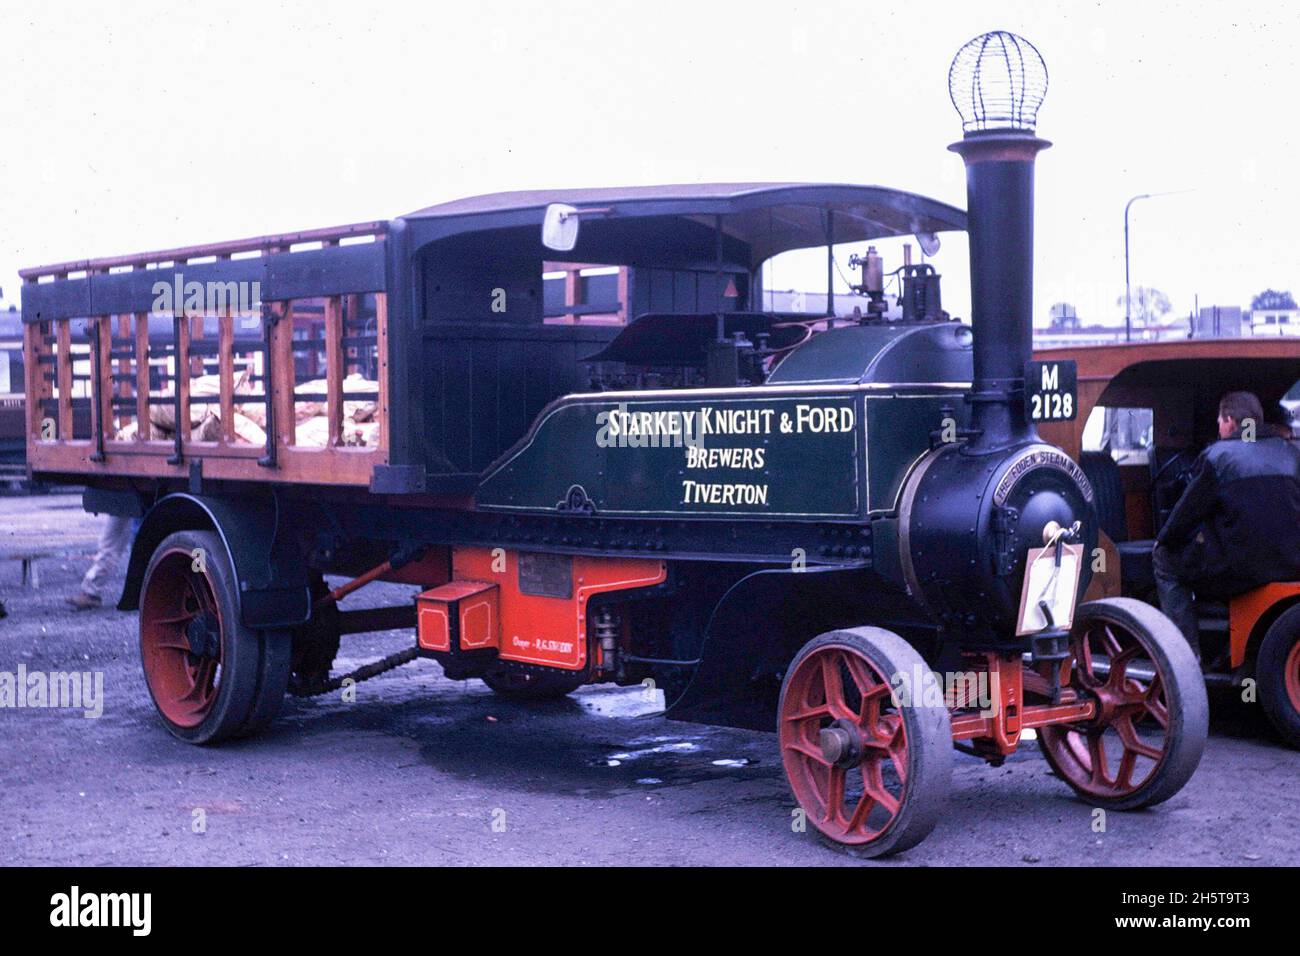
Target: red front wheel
[[869, 768], [1152, 715]]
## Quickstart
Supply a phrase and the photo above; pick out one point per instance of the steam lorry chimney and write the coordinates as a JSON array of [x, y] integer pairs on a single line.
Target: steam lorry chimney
[[997, 82]]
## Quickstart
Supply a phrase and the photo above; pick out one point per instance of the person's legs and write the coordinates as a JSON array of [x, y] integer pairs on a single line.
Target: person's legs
[[1176, 597], [114, 541]]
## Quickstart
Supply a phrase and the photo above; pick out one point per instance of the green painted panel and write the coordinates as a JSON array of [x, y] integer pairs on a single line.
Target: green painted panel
[[900, 427], [699, 455]]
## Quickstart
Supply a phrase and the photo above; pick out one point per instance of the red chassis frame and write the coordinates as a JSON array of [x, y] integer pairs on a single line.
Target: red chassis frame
[[1009, 678]]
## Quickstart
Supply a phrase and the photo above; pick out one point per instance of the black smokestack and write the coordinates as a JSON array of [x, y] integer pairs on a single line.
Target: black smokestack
[[997, 82]]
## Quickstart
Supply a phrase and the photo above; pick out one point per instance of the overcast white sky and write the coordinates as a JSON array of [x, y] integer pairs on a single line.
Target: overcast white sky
[[130, 126]]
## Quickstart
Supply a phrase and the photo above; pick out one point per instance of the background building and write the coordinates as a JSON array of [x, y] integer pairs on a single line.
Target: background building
[[1265, 322]]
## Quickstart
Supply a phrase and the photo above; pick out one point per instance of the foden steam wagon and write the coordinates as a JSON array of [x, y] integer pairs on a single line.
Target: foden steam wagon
[[846, 530]]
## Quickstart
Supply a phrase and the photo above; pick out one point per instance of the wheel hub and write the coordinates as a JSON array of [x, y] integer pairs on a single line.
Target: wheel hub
[[1114, 702], [841, 744], [203, 633]]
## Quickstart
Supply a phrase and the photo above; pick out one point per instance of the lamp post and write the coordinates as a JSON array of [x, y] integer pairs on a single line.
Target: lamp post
[[1128, 318]]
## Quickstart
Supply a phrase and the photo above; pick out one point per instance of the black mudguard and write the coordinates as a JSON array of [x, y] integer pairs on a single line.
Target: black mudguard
[[757, 628], [274, 590]]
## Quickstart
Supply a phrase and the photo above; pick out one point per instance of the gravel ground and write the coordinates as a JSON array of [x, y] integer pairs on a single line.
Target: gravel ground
[[424, 770]]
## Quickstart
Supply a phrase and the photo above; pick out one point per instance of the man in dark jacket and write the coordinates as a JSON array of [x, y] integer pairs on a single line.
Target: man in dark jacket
[[1237, 525]]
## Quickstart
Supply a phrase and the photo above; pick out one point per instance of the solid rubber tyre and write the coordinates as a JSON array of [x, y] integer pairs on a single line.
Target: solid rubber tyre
[[906, 742], [235, 683], [1277, 675], [1174, 701]]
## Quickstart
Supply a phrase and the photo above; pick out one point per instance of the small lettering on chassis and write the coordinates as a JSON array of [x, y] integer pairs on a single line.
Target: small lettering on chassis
[[541, 644], [560, 647]]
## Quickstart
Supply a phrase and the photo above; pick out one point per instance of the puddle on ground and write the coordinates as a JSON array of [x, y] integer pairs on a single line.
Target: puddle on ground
[[559, 757], [680, 746], [599, 742], [622, 702]]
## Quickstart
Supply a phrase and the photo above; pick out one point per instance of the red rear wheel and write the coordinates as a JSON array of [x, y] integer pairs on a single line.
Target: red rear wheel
[[210, 676], [1292, 676], [1152, 715], [180, 639], [870, 773]]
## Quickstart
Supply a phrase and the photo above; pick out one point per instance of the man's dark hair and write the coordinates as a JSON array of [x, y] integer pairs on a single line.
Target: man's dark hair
[[1240, 406]]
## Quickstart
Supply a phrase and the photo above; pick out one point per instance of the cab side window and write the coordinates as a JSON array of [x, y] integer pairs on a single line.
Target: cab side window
[[1126, 433]]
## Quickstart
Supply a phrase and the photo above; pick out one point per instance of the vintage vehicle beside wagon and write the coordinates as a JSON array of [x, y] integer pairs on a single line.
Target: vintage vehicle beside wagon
[[1173, 388], [775, 521]]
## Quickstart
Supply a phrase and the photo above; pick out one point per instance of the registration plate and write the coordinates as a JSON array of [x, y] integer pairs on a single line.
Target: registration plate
[[1052, 391]]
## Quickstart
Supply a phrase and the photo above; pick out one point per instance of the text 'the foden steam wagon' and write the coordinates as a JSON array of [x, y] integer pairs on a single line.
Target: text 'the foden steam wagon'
[[845, 530]]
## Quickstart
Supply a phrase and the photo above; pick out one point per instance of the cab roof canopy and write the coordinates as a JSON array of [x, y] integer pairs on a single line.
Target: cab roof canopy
[[672, 226], [658, 224]]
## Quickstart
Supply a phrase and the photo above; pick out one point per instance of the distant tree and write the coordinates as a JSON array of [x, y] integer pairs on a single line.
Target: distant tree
[[1149, 305], [1272, 299]]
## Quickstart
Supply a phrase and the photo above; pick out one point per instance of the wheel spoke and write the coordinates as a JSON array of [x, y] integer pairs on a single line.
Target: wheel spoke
[[1124, 775], [178, 619], [1119, 665], [1097, 758], [1035, 682], [1128, 735], [812, 753], [1087, 676], [1111, 641], [873, 783], [835, 795], [808, 713], [869, 712], [857, 822], [190, 600], [833, 685], [200, 677], [1155, 704], [1158, 711], [898, 756], [861, 675]]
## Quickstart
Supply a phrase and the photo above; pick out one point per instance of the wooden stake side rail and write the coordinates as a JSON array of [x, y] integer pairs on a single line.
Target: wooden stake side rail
[[54, 361], [222, 250]]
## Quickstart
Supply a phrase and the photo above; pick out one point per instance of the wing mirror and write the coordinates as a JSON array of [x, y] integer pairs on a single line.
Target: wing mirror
[[928, 242], [560, 227]]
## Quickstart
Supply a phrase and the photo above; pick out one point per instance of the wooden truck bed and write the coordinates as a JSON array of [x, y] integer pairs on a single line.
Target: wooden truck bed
[[293, 387]]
